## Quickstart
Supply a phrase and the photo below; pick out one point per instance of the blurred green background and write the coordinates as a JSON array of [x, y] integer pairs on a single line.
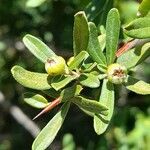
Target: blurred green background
[[52, 21]]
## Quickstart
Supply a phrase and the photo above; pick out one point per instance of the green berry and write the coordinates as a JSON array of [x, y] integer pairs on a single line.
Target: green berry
[[116, 73], [55, 66]]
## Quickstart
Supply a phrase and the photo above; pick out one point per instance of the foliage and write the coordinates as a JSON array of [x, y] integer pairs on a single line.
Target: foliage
[[52, 21], [71, 83]]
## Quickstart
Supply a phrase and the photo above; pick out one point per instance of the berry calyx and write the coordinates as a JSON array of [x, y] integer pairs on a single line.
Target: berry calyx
[[116, 73], [55, 66]]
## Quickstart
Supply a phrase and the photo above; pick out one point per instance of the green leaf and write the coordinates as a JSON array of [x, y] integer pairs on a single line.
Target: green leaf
[[102, 41], [94, 8], [59, 82], [88, 65], [136, 55], [112, 34], [90, 105], [47, 135], [137, 86], [38, 81], [94, 48], [106, 98], [138, 28], [102, 68], [144, 7], [35, 100], [78, 60], [38, 48], [80, 33], [68, 93], [34, 3], [89, 80]]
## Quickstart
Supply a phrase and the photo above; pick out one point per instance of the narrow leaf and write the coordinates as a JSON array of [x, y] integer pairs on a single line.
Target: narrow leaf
[[136, 55], [137, 86], [78, 60], [112, 34], [35, 100], [80, 33], [38, 48], [90, 105], [139, 28], [106, 98], [89, 80], [94, 48], [49, 132], [144, 7], [38, 81], [34, 3], [59, 82]]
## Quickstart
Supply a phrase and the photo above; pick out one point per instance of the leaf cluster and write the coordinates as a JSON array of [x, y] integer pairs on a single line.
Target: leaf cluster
[[94, 52]]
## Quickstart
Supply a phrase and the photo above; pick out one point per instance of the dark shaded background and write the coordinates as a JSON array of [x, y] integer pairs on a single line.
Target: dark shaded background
[[52, 21]]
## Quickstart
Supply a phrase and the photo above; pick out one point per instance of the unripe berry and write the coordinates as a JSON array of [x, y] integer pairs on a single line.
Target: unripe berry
[[116, 73], [55, 66]]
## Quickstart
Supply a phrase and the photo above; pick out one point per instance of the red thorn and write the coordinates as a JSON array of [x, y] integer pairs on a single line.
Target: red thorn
[[126, 47], [49, 107]]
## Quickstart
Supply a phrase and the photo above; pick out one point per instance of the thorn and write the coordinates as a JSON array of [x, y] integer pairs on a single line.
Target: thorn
[[126, 47], [49, 107]]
